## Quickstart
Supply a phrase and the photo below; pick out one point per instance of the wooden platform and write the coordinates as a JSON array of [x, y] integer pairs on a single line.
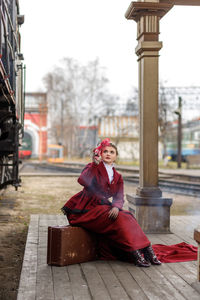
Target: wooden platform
[[105, 280]]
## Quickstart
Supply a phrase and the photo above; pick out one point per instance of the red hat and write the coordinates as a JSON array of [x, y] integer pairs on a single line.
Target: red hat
[[104, 143]]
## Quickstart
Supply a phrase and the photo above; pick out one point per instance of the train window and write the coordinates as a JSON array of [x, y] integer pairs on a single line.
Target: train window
[[197, 135]]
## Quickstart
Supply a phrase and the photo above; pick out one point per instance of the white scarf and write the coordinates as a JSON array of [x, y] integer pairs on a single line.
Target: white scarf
[[109, 169]]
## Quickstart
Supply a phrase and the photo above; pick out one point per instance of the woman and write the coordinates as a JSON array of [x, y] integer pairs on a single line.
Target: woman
[[120, 235]]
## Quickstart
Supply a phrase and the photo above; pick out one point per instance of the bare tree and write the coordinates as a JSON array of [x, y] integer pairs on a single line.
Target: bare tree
[[132, 104], [165, 108], [77, 96]]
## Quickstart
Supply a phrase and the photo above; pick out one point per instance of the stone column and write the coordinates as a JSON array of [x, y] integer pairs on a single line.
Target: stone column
[[151, 210]]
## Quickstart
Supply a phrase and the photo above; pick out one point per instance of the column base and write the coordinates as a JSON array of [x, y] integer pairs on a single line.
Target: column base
[[152, 213]]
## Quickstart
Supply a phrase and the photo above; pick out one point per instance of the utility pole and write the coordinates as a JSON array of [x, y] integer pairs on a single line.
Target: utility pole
[[62, 123], [179, 133]]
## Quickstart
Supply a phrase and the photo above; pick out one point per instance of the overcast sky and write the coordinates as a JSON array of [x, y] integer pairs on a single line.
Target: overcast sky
[[86, 29]]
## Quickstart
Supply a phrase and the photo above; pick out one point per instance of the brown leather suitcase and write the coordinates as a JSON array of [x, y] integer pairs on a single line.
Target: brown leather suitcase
[[69, 245]]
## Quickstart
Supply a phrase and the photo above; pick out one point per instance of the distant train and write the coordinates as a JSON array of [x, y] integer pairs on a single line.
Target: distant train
[[55, 153], [190, 140], [25, 150], [11, 92]]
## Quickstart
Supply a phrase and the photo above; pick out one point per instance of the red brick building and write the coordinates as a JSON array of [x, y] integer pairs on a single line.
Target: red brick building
[[35, 123]]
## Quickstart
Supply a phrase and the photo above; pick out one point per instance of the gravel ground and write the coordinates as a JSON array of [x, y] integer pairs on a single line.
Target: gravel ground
[[45, 195]]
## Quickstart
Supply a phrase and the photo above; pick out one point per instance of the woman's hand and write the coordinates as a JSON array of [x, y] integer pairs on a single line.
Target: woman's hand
[[113, 213], [96, 159]]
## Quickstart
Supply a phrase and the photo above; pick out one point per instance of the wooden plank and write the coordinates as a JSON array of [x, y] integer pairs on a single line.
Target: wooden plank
[[106, 280], [160, 280], [61, 283], [184, 227], [44, 283], [62, 220], [47, 220], [185, 237], [146, 284], [111, 282], [167, 239], [188, 220], [79, 285], [196, 286], [183, 272], [131, 287], [178, 282], [95, 283], [57, 277], [190, 266], [29, 267]]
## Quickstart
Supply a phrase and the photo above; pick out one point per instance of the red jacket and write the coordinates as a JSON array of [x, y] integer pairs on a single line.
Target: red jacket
[[97, 190]]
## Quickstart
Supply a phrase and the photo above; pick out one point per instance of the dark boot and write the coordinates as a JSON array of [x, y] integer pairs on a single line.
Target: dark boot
[[150, 256], [139, 259]]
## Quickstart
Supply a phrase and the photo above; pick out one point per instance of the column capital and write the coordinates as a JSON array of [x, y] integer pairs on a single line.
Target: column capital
[[138, 9]]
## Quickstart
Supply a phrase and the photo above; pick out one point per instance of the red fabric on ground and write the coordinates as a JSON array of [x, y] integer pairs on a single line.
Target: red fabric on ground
[[175, 253]]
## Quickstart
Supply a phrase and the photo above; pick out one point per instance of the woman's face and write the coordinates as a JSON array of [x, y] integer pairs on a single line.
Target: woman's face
[[108, 155]]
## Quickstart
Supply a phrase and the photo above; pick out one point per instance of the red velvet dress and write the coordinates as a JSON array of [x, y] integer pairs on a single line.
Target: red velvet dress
[[90, 207]]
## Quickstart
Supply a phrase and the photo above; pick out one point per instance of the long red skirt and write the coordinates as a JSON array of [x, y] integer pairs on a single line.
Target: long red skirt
[[123, 233]]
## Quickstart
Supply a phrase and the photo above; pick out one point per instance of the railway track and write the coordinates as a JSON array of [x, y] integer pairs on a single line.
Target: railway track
[[171, 185], [30, 168], [174, 183]]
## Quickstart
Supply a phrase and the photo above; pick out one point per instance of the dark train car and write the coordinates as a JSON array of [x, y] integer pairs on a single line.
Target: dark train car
[[11, 91]]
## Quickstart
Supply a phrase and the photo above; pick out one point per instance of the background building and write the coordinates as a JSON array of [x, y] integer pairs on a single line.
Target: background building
[[35, 124], [124, 132]]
